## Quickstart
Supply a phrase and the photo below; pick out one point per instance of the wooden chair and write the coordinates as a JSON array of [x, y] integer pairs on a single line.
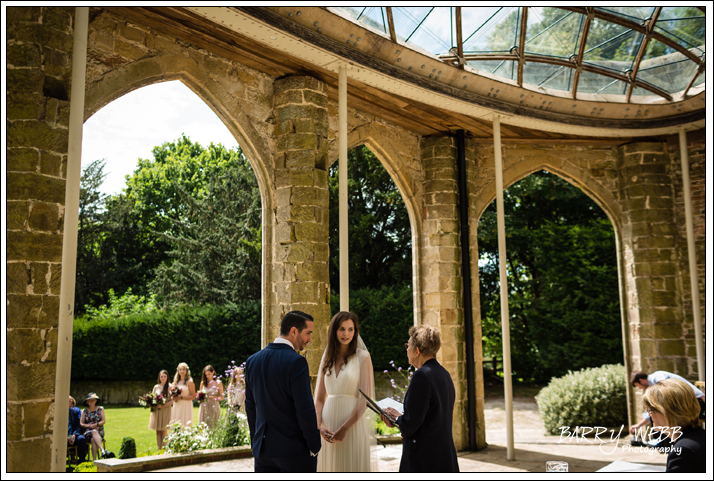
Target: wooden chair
[[72, 455]]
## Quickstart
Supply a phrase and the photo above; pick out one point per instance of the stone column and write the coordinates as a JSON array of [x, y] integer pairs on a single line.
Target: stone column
[[441, 268], [300, 251], [654, 310], [473, 168], [38, 70]]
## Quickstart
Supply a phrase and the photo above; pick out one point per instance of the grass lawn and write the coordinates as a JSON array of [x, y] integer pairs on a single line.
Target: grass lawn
[[123, 421]]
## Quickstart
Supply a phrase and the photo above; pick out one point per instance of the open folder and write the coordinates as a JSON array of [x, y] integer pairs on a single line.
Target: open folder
[[384, 403]]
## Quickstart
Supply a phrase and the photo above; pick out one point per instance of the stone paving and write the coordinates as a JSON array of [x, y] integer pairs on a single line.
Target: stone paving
[[532, 448]]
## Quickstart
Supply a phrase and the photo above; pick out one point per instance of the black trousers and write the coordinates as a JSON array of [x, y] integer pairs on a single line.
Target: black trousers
[[299, 463]]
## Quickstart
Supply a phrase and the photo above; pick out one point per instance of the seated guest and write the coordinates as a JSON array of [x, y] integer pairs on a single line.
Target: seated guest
[[92, 422], [74, 431], [642, 380], [674, 409]]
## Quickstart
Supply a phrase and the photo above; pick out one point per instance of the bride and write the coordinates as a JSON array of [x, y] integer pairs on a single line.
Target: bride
[[346, 427]]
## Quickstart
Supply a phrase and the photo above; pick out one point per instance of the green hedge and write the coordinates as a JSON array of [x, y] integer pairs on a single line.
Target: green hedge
[[592, 397], [138, 346], [385, 315]]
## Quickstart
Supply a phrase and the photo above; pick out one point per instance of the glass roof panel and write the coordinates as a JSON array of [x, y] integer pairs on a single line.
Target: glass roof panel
[[680, 13], [373, 17], [435, 32], [406, 20], [556, 33], [700, 79], [636, 14], [503, 68], [671, 72], [562, 79], [613, 47], [640, 92], [553, 32], [497, 35], [592, 83], [539, 74], [689, 31]]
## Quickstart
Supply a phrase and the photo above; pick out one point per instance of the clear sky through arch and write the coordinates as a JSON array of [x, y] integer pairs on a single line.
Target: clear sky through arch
[[129, 127]]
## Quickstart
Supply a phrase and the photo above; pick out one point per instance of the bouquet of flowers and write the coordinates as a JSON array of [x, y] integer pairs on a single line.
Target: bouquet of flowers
[[175, 391], [201, 396], [147, 400]]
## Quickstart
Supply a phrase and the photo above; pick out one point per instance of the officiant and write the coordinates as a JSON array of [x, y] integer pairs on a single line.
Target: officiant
[[428, 444]]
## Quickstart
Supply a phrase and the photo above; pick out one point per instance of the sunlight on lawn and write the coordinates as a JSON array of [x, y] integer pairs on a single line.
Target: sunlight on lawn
[[123, 421]]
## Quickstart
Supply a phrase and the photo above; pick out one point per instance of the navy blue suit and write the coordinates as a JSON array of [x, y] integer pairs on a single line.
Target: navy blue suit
[[427, 442], [74, 429], [281, 411]]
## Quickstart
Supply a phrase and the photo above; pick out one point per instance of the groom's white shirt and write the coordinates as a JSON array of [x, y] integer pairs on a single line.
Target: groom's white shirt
[[282, 340]]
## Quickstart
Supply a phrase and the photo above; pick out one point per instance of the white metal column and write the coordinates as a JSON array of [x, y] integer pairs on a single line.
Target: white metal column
[[344, 243], [693, 271], [505, 325], [69, 242]]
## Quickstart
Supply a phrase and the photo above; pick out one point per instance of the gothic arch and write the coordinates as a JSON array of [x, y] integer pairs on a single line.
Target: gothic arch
[[396, 165]]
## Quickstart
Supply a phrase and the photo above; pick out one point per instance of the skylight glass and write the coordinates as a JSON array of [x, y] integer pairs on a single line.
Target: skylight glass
[[622, 47]]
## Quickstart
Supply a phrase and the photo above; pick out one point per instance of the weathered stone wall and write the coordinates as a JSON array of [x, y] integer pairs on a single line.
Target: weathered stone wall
[[39, 50], [442, 287], [697, 174], [654, 307], [287, 128], [300, 252]]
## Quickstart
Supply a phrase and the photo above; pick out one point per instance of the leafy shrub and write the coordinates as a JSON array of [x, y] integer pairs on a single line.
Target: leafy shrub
[[384, 430], [124, 305], [128, 448], [139, 345], [385, 316], [231, 430], [87, 467], [593, 397]]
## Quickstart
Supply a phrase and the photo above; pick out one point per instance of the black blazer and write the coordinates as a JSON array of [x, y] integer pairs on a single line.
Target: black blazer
[[692, 457], [279, 405], [428, 444]]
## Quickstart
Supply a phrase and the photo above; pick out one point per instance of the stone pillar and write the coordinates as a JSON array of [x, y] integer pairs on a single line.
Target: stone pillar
[[653, 286], [441, 268], [472, 179], [300, 251], [39, 50]]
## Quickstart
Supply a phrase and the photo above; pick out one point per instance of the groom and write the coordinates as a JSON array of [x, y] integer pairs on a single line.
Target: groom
[[278, 401]]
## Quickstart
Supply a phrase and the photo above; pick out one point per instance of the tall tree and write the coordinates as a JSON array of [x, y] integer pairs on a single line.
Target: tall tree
[[90, 236], [562, 279], [215, 257], [379, 229]]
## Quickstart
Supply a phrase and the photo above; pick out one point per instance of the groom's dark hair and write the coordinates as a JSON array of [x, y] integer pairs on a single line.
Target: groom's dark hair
[[292, 319]]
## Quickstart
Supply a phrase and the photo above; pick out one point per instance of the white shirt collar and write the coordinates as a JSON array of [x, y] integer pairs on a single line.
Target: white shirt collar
[[282, 340]]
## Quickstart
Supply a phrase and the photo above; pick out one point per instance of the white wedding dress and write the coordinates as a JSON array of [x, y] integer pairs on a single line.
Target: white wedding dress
[[354, 453]]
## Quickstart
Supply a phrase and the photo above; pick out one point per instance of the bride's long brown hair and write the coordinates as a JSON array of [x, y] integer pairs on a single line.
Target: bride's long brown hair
[[333, 344]]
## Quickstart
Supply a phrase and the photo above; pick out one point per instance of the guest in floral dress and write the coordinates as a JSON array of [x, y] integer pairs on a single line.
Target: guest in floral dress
[[210, 409], [92, 422]]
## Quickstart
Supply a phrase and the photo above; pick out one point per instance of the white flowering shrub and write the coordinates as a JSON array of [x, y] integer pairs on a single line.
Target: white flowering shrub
[[190, 438], [592, 397]]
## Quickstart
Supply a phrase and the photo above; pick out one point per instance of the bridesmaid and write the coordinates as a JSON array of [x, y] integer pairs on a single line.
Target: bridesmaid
[[210, 410], [183, 405], [236, 389], [161, 414]]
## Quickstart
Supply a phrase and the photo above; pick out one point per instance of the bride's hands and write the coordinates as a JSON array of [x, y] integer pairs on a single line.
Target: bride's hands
[[339, 435], [326, 435]]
